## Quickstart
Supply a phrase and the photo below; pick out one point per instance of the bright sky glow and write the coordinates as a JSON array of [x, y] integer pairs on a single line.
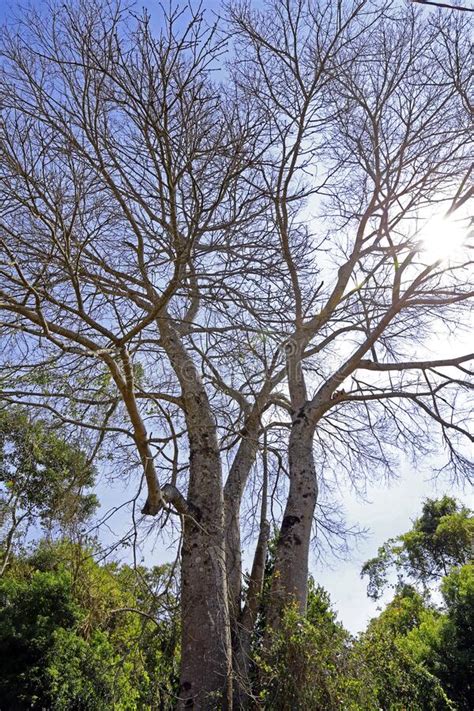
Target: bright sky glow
[[443, 239]]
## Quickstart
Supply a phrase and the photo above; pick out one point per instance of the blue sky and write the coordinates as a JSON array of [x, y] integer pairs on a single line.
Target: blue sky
[[10, 7], [387, 511]]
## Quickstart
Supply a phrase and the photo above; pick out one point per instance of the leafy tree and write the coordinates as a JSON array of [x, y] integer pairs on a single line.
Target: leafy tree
[[443, 643], [440, 539], [399, 676], [414, 649], [456, 648], [43, 479], [76, 635], [308, 664]]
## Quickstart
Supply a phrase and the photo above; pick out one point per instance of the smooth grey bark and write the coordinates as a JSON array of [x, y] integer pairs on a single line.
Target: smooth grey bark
[[234, 490], [242, 619], [205, 675]]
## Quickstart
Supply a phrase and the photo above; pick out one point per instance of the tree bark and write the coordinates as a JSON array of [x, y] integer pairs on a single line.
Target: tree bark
[[205, 642], [233, 493], [205, 675], [290, 577], [248, 617]]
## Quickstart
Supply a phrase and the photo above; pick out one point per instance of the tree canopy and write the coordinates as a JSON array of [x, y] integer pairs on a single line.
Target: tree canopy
[[422, 653], [77, 635], [45, 480], [439, 540]]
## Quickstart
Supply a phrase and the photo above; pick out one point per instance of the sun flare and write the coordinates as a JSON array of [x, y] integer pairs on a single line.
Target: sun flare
[[442, 240]]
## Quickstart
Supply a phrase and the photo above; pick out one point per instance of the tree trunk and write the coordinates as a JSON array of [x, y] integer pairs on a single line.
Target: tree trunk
[[233, 492], [246, 623], [243, 620], [206, 658], [206, 648], [290, 577]]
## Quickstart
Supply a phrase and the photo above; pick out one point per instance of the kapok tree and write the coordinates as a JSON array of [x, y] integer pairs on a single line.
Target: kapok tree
[[160, 263], [368, 175]]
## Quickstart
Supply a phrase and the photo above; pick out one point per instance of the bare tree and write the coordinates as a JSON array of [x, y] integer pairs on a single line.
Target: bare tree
[[448, 6], [121, 180], [165, 286], [382, 120]]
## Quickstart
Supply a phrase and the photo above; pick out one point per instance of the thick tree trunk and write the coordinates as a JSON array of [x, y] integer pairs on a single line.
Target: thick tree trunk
[[290, 577], [206, 657], [206, 648]]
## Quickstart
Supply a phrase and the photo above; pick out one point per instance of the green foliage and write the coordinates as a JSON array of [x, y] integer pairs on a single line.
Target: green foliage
[[43, 478], [309, 665], [399, 676], [31, 608], [450, 654], [413, 656], [421, 657], [72, 636], [440, 539], [87, 674], [82, 636]]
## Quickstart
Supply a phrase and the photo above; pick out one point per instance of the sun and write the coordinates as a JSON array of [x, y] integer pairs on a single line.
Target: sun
[[442, 240]]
